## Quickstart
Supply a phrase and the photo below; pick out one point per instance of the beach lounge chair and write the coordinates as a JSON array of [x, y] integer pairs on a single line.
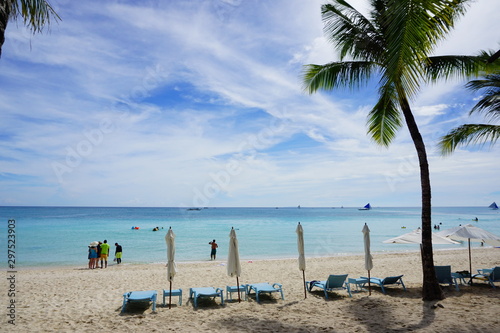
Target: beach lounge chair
[[205, 292], [444, 276], [390, 280], [139, 297], [490, 275], [334, 282], [264, 288]]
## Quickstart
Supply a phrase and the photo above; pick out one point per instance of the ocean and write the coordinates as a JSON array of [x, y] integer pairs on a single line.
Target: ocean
[[59, 236]]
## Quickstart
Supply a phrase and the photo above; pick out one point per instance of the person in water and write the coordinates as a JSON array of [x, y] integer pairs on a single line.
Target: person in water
[[213, 253]]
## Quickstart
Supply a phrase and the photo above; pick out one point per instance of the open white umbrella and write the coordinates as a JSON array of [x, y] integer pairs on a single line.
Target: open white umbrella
[[171, 266], [415, 237], [368, 256], [302, 258], [233, 260], [470, 233]]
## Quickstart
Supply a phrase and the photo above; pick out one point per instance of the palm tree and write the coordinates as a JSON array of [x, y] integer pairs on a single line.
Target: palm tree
[[393, 45], [489, 104], [35, 13]]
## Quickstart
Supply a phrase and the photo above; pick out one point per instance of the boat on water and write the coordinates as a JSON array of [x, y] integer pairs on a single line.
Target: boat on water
[[493, 205], [366, 207]]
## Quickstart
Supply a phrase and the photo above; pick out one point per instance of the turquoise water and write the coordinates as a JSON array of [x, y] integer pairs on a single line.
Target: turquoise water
[[59, 236]]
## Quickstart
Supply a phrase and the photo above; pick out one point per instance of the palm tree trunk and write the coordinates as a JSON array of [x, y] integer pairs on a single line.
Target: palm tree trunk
[[430, 290], [4, 19]]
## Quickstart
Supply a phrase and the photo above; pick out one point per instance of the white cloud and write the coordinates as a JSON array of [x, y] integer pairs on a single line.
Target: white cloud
[[430, 110]]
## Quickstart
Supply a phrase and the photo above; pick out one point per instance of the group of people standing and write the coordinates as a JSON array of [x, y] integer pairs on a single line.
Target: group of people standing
[[99, 251]]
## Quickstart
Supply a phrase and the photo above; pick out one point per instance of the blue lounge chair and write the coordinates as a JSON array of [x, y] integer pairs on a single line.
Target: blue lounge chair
[[205, 292], [490, 275], [444, 276], [334, 282], [264, 288], [390, 280], [139, 297]]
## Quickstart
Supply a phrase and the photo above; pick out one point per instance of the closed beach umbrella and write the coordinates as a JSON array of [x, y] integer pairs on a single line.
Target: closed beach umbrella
[[302, 258], [368, 256], [470, 233], [233, 260], [171, 267]]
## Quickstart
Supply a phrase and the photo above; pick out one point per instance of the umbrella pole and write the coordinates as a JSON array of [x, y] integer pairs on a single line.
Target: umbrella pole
[[470, 265], [238, 286], [369, 285], [304, 278], [170, 297]]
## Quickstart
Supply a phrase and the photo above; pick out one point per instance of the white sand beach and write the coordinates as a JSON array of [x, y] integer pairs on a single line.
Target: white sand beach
[[82, 300]]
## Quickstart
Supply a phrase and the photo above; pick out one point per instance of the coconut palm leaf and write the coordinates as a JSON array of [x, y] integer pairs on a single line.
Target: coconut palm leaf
[[469, 134], [489, 105], [353, 74], [384, 120], [351, 32], [36, 14]]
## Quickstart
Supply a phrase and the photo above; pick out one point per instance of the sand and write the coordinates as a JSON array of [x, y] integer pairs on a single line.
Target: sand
[[82, 300]]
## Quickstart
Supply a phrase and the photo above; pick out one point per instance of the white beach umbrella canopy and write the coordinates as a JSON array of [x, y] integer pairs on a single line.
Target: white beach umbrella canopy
[[469, 231], [233, 258], [368, 256], [415, 237], [302, 257], [171, 266], [300, 247]]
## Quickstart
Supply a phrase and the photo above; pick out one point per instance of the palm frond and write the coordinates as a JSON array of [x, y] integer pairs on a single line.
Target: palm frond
[[350, 32], [336, 75], [439, 67], [443, 16], [489, 103], [412, 29], [384, 120], [36, 14], [468, 134]]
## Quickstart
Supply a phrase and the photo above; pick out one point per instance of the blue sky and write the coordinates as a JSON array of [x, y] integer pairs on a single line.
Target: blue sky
[[200, 103]]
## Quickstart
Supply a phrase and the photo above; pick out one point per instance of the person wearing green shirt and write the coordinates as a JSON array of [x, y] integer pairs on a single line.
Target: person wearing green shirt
[[104, 253]]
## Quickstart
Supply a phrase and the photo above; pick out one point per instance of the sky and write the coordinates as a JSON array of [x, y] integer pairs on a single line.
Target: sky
[[200, 104]]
